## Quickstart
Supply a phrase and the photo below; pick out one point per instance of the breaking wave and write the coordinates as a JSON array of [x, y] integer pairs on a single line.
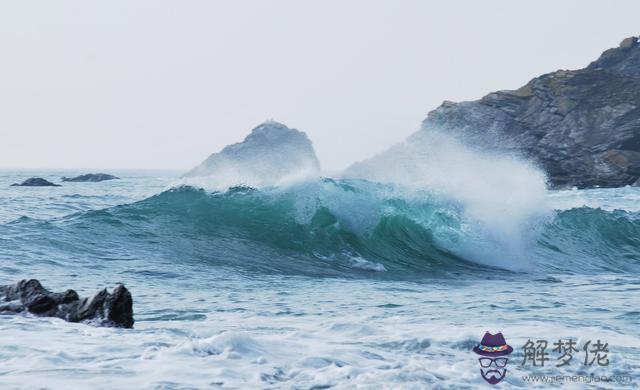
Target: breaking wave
[[354, 227]]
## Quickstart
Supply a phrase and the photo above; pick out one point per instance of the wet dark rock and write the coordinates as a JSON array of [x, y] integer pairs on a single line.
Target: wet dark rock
[[90, 177], [581, 126], [35, 182], [104, 309]]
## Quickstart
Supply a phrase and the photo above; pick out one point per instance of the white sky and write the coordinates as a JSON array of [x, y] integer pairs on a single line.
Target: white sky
[[162, 84]]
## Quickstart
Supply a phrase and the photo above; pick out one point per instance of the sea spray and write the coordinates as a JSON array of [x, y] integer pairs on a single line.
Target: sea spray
[[502, 197]]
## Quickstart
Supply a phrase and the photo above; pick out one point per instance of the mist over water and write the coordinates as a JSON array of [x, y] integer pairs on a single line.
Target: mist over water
[[501, 197]]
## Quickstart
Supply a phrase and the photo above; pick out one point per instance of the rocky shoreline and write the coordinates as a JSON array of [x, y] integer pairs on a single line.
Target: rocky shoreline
[[582, 127]]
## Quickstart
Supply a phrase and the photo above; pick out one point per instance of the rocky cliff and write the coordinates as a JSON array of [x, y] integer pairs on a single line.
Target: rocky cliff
[[581, 126]]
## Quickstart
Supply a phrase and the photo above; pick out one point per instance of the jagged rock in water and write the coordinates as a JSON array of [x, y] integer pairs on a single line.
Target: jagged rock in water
[[582, 127], [270, 153], [91, 177], [105, 309], [35, 182]]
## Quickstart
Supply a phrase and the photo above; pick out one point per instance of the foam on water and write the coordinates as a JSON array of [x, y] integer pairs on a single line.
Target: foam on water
[[625, 198], [305, 333]]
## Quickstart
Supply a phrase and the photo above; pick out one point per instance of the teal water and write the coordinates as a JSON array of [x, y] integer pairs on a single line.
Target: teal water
[[322, 283]]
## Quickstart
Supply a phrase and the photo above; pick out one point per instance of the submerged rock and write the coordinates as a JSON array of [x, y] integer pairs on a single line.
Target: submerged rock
[[270, 153], [35, 182], [90, 177], [104, 309]]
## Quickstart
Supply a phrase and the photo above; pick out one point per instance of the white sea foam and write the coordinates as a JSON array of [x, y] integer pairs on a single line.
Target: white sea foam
[[359, 262], [304, 333], [625, 198]]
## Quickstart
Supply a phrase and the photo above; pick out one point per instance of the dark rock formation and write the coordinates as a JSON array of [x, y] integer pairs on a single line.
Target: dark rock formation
[[582, 126], [90, 177], [105, 309], [35, 182], [272, 151]]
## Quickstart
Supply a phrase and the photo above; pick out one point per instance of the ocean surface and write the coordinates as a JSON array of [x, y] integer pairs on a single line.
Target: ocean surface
[[319, 283]]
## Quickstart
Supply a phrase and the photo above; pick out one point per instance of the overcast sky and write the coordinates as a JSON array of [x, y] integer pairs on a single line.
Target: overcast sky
[[162, 84]]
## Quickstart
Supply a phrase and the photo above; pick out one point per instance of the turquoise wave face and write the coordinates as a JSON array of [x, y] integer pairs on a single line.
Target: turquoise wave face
[[336, 228], [274, 230], [591, 239]]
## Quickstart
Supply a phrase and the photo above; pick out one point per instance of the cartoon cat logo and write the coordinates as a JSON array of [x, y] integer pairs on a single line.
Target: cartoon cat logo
[[493, 350]]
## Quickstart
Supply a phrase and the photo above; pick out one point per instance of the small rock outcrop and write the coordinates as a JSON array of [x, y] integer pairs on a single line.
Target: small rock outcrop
[[35, 182], [90, 177], [271, 152], [104, 309]]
